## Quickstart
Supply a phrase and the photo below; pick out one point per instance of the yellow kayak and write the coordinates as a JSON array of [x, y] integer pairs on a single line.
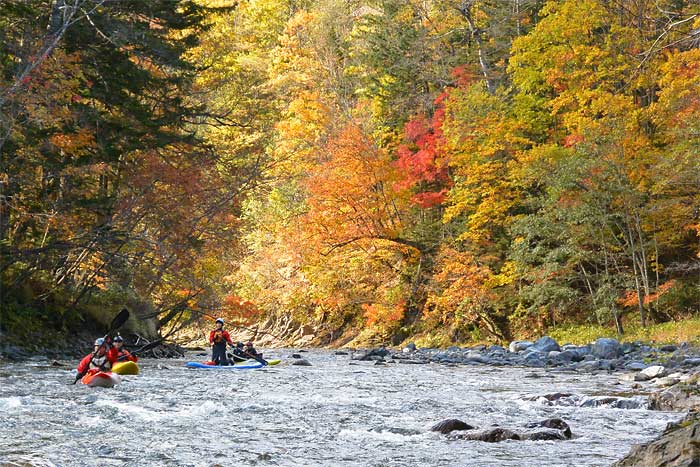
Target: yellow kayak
[[125, 368]]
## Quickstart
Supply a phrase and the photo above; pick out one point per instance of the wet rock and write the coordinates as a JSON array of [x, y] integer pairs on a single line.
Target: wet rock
[[411, 347], [544, 435], [550, 399], [57, 363], [607, 348], [371, 354], [413, 361], [668, 348], [574, 400], [555, 429], [296, 355], [679, 445], [301, 362], [555, 423], [677, 398], [629, 403], [569, 356], [655, 371], [636, 366], [340, 352], [666, 381], [546, 344], [588, 365], [489, 435], [519, 346], [691, 361], [450, 425]]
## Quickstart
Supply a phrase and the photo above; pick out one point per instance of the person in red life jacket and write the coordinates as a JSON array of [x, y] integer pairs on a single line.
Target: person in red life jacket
[[119, 354], [99, 359], [218, 338]]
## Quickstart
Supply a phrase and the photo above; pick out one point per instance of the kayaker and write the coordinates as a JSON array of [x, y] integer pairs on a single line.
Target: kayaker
[[238, 350], [119, 353], [218, 338], [250, 350], [98, 359]]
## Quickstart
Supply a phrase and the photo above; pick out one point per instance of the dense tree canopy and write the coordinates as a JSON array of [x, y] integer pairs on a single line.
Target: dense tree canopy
[[379, 167]]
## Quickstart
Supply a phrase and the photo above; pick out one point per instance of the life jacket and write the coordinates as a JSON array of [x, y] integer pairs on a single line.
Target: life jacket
[[218, 337], [99, 362]]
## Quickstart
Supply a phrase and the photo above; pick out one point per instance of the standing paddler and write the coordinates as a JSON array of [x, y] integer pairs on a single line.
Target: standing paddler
[[218, 338]]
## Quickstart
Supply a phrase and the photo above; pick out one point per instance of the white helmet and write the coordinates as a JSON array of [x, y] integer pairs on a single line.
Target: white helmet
[[100, 341], [220, 320]]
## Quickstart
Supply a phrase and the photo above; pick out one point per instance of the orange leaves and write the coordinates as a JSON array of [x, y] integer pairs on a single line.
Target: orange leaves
[[460, 288], [74, 144], [235, 307], [383, 315], [630, 299], [350, 195]]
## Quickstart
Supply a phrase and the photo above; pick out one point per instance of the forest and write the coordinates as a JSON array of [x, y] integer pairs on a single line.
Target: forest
[[375, 170]]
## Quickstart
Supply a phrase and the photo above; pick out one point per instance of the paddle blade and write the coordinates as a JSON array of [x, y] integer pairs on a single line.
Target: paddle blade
[[119, 320]]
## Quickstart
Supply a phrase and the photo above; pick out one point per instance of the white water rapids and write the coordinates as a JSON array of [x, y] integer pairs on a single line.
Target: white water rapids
[[336, 413]]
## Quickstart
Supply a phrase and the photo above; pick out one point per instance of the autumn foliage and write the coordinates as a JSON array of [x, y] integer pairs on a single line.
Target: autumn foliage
[[381, 170]]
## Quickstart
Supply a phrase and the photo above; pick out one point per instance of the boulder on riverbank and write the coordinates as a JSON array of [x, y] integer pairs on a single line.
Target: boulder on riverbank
[[679, 445], [678, 398]]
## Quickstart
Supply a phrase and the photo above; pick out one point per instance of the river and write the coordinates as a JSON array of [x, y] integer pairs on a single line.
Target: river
[[336, 413]]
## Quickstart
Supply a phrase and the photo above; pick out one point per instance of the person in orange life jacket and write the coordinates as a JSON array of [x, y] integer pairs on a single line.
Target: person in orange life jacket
[[218, 338], [119, 353], [99, 359]]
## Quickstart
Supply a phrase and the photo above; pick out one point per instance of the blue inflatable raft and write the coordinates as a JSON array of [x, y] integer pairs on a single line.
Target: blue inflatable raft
[[247, 366]]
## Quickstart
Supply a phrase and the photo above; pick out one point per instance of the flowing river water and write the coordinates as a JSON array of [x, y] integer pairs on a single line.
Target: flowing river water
[[336, 413]]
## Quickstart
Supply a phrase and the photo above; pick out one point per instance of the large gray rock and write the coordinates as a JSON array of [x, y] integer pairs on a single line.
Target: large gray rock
[[546, 344], [655, 371], [489, 435], [607, 348], [556, 423], [519, 346], [374, 354], [449, 425], [301, 362], [676, 398], [679, 445]]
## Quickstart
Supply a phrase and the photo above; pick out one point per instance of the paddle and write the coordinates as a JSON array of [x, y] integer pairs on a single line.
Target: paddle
[[254, 357], [116, 323]]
